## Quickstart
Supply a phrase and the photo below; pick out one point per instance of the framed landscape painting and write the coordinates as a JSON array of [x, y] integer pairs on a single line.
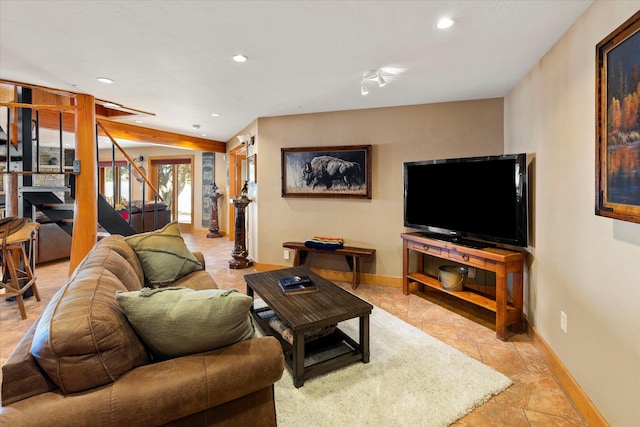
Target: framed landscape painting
[[330, 172], [618, 123]]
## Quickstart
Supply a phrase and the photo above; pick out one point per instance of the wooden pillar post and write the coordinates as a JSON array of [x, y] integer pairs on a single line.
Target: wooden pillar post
[[11, 195], [85, 216]]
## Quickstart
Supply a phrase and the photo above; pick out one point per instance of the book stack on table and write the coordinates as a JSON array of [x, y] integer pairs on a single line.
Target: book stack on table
[[297, 285]]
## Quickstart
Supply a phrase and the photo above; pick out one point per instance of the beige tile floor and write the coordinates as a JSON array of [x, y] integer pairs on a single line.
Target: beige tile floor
[[535, 399]]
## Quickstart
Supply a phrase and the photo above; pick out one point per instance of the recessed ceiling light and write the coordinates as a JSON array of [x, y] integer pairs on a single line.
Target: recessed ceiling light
[[215, 114], [105, 80], [139, 121], [239, 58], [445, 23], [203, 134]]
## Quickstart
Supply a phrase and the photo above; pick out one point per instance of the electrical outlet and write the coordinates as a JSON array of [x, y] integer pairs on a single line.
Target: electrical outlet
[[471, 273], [563, 321], [286, 254]]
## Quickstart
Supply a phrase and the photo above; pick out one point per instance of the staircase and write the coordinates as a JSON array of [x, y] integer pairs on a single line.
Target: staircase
[[111, 220], [62, 213], [51, 206], [21, 153]]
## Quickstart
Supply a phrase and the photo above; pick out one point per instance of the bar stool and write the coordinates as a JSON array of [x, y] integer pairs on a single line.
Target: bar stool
[[16, 264]]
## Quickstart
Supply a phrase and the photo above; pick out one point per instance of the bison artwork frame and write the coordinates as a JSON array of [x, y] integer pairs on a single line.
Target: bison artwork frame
[[327, 172]]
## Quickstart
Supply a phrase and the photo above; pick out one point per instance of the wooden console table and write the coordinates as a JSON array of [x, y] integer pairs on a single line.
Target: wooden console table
[[500, 261], [351, 253]]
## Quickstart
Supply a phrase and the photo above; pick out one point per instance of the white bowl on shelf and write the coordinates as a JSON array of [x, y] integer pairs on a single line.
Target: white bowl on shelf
[[452, 277]]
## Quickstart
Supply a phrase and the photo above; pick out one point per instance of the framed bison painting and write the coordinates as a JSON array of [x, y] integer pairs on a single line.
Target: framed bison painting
[[330, 172]]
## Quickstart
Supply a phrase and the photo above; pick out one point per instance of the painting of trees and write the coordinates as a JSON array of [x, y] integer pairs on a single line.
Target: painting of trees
[[623, 90], [618, 123]]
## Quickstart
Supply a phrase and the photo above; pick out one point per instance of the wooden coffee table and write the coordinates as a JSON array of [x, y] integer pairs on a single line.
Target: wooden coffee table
[[305, 312]]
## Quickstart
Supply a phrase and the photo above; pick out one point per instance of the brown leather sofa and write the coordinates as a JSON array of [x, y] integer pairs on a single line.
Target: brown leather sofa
[[155, 215], [52, 243], [229, 386]]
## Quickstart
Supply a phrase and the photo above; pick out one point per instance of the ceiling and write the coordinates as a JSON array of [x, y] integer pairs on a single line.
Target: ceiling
[[174, 58]]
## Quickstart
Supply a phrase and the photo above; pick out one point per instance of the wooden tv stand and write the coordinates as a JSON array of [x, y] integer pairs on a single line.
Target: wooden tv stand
[[500, 261]]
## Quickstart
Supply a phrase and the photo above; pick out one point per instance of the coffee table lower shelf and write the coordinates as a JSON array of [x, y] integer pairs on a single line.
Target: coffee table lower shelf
[[321, 355]]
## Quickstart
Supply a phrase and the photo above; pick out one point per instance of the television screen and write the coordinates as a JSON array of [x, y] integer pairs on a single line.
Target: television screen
[[479, 198]]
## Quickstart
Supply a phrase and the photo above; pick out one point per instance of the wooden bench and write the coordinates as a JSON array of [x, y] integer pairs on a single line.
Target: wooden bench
[[351, 253]]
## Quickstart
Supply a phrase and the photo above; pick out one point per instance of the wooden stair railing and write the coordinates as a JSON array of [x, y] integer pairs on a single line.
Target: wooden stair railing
[[145, 180], [131, 162]]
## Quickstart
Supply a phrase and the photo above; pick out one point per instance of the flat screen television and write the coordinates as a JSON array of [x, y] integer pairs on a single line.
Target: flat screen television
[[472, 200]]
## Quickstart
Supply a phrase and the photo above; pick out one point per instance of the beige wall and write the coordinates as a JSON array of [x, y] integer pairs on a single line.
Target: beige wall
[[585, 265], [397, 134]]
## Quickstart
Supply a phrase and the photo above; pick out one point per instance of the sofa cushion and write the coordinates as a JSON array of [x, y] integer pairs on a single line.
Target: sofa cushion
[[83, 339], [111, 260], [163, 255], [149, 206], [197, 280], [118, 244], [174, 321]]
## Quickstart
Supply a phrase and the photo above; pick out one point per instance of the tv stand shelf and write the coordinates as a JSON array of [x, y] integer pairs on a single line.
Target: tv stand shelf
[[501, 261]]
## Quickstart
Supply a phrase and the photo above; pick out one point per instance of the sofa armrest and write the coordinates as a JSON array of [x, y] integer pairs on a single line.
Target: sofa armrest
[[190, 384], [22, 377], [159, 393], [200, 257], [52, 243]]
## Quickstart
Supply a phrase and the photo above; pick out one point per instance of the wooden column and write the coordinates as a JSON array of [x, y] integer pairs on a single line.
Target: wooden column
[[11, 195], [85, 216]]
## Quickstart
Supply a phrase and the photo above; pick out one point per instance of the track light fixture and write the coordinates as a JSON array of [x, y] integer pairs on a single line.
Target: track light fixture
[[381, 81], [373, 76], [248, 138], [363, 88]]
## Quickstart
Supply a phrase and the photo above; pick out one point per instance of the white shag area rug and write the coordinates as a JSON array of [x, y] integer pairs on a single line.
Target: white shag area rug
[[412, 379]]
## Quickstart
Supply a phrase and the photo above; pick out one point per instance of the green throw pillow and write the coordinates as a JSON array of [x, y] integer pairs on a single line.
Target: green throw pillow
[[175, 321], [163, 255]]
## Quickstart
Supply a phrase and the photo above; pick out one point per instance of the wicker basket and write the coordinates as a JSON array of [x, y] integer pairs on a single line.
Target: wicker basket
[[452, 277]]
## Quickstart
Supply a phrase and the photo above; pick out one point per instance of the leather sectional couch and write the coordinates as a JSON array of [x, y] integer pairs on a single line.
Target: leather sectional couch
[[53, 243], [155, 215], [83, 364]]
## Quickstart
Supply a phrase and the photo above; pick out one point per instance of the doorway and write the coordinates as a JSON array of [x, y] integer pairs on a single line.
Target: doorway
[[173, 178], [237, 177]]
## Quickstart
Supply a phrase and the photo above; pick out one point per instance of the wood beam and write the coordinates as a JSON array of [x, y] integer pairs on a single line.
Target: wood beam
[[85, 212], [51, 120], [153, 136], [61, 92], [37, 107], [115, 110], [54, 99], [132, 163], [7, 93]]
